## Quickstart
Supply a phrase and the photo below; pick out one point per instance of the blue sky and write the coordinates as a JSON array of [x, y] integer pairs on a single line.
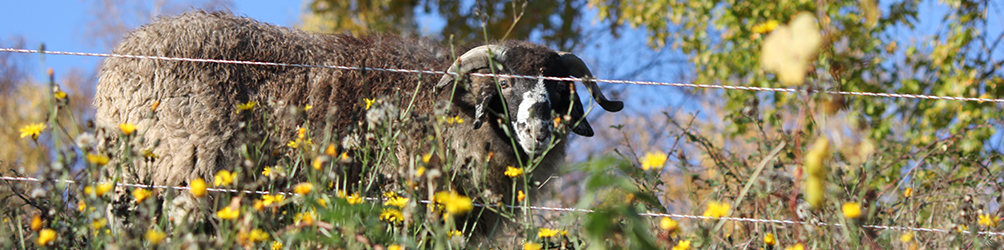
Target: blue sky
[[60, 25]]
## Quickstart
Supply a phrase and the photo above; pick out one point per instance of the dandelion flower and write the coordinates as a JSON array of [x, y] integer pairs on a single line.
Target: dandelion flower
[[277, 245], [257, 236], [306, 218], [330, 150], [455, 203], [426, 157], [103, 188], [224, 178], [550, 233], [520, 196], [906, 237], [513, 172], [988, 221], [155, 236], [395, 247], [46, 237], [248, 106], [354, 199], [307, 107], [668, 224], [97, 160], [769, 239], [396, 201], [99, 224], [455, 233], [717, 209], [322, 202], [795, 247], [267, 171], [268, 199], [36, 223], [682, 245], [318, 163], [369, 102], [197, 187], [852, 210], [303, 188], [419, 171], [391, 215], [127, 128], [907, 192], [228, 213], [653, 160], [81, 206], [532, 246], [60, 95], [141, 194], [33, 130]]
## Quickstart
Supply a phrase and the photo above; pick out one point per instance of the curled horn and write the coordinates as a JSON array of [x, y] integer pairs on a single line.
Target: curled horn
[[577, 68], [475, 58]]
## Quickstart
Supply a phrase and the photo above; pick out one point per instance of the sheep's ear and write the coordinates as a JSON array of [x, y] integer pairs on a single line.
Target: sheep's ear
[[579, 124], [479, 109]]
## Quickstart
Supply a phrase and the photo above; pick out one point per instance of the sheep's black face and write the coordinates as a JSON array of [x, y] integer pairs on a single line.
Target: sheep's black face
[[526, 104]]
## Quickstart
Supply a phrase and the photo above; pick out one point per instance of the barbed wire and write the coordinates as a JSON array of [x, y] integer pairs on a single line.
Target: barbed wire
[[563, 209], [436, 72]]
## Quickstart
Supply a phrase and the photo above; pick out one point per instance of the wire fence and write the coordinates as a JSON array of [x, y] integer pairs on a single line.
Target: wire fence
[[436, 72], [538, 208], [566, 210]]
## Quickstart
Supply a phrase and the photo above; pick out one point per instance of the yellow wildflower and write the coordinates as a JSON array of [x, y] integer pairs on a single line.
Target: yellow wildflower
[[520, 196], [455, 203], [396, 201], [426, 157], [988, 221], [345, 157], [765, 27], [795, 247], [277, 245], [717, 209], [668, 224], [307, 218], [395, 247], [99, 224], [852, 210], [224, 178], [907, 192], [512, 172], [81, 205], [292, 144], [391, 215], [549, 233], [532, 246], [46, 237], [303, 188], [268, 199], [330, 150], [682, 245], [257, 235], [198, 187], [267, 171], [33, 130], [653, 160], [97, 160], [155, 105], [354, 199], [420, 171], [455, 233], [102, 188], [318, 163], [307, 107], [258, 205], [248, 106], [36, 223], [228, 213], [301, 133], [141, 194], [127, 128], [906, 237], [769, 239], [155, 236], [322, 202], [369, 102], [60, 95]]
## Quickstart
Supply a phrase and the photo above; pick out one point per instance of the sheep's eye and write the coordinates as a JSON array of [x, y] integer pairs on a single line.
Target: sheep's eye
[[504, 83]]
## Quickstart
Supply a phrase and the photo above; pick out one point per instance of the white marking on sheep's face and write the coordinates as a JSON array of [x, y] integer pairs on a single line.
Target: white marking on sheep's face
[[533, 124]]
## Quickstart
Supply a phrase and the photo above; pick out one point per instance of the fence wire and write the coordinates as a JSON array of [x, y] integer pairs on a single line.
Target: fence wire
[[436, 72], [564, 209]]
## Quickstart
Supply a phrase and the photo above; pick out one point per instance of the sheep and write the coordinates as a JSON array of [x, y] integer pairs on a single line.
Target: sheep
[[196, 127]]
